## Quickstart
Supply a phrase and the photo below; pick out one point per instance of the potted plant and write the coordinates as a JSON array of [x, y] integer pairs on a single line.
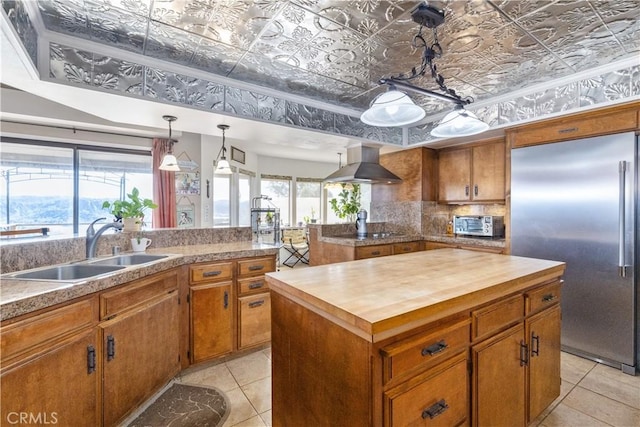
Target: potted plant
[[131, 210], [313, 216], [347, 204]]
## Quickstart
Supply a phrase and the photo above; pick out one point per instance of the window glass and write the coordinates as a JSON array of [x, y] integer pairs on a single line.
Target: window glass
[[278, 190], [333, 192], [308, 201], [37, 187], [244, 200], [221, 205]]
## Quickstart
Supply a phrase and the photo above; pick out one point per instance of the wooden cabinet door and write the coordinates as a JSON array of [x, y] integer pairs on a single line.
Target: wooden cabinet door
[[543, 331], [211, 320], [499, 380], [488, 172], [57, 387], [254, 320], [140, 354], [454, 175]]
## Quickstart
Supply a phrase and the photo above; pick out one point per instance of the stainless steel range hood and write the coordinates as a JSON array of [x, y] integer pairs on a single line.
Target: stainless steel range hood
[[363, 166]]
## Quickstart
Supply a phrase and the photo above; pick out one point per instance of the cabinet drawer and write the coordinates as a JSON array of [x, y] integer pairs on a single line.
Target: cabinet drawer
[[42, 329], [363, 252], [542, 297], [254, 325], [252, 267], [404, 248], [495, 316], [251, 285], [419, 352], [137, 293], [211, 272], [440, 399]]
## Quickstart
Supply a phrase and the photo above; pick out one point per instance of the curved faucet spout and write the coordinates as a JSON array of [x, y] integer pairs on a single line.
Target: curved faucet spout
[[93, 236]]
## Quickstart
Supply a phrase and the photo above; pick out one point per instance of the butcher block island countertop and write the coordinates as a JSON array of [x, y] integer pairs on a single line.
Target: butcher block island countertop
[[437, 336]]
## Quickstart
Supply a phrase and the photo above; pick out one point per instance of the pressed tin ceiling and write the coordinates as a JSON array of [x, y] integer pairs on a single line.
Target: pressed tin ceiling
[[335, 51]]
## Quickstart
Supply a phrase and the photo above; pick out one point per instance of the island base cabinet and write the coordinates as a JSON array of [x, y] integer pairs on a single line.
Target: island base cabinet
[[439, 397], [141, 353], [58, 387], [499, 380]]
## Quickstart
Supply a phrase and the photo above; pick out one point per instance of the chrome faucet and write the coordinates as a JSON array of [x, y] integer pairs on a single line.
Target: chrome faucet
[[93, 235]]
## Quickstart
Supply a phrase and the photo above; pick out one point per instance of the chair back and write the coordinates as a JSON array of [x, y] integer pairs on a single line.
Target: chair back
[[294, 236]]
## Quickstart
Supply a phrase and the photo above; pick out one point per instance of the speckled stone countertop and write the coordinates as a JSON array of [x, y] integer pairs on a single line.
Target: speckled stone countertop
[[19, 297], [371, 239], [493, 242]]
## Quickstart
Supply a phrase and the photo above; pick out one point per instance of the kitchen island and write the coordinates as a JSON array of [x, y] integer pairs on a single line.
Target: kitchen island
[[440, 335]]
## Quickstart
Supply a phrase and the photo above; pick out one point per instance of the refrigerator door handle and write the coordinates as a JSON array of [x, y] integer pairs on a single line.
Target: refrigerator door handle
[[622, 265]]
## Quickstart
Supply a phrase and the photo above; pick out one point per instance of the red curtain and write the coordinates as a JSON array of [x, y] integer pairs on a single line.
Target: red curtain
[[164, 188]]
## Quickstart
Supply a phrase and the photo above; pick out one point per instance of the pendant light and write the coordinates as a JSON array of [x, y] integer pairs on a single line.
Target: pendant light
[[459, 122], [222, 165], [169, 162], [392, 108]]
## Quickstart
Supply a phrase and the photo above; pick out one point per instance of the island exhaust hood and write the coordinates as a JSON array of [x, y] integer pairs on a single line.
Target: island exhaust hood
[[363, 166]]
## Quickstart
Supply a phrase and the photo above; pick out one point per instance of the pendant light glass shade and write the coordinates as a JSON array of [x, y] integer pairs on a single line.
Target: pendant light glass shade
[[392, 108], [459, 122], [169, 163], [222, 164], [223, 167]]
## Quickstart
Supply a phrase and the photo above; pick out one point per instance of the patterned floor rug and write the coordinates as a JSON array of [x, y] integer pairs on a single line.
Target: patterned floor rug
[[185, 405]]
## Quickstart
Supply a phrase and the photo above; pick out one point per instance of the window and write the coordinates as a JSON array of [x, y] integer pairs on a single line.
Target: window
[[221, 200], [278, 189], [31, 169], [333, 191], [244, 198], [308, 202]]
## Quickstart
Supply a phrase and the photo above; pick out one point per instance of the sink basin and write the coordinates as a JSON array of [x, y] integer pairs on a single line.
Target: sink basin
[[130, 259], [66, 272]]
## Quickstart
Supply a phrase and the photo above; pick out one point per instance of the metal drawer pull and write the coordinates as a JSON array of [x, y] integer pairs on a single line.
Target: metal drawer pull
[[435, 410], [375, 253], [111, 348], [212, 273], [256, 303], [466, 190], [524, 353], [549, 297], [255, 267], [436, 348], [535, 344], [255, 285], [91, 359], [567, 130]]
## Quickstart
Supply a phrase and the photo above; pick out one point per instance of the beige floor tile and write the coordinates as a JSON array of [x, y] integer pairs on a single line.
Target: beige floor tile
[[565, 388], [251, 422], [602, 408], [565, 416], [259, 394], [574, 368], [267, 352], [266, 417], [614, 384], [241, 408], [217, 376], [250, 368]]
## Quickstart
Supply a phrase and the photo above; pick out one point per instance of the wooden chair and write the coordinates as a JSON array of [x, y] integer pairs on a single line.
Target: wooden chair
[[294, 241]]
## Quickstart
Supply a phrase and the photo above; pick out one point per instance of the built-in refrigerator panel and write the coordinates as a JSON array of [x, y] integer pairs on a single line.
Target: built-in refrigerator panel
[[566, 201]]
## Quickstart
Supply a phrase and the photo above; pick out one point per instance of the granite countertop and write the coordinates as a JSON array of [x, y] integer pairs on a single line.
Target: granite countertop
[[19, 297], [426, 286], [371, 239], [495, 242]]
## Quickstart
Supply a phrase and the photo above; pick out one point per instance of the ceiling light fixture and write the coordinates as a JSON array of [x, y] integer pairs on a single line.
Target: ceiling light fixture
[[169, 162], [222, 166], [395, 108]]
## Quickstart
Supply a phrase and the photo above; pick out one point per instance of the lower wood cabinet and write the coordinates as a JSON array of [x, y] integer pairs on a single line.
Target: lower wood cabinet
[[211, 320], [254, 320]]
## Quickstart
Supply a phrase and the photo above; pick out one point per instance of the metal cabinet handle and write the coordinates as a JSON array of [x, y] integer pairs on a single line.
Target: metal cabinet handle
[[435, 410], [111, 348], [91, 359], [225, 302], [475, 190], [549, 297], [256, 267], [524, 353], [256, 303], [375, 253], [255, 285], [466, 190], [535, 344], [212, 273], [436, 348]]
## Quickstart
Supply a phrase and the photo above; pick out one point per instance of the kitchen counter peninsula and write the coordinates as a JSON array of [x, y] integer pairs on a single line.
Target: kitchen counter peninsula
[[388, 341]]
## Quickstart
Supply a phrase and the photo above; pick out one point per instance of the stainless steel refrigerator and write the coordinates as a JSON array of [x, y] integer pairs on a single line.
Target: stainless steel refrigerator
[[576, 202]]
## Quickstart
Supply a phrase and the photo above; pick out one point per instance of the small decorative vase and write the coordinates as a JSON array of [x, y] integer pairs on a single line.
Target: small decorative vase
[[131, 224]]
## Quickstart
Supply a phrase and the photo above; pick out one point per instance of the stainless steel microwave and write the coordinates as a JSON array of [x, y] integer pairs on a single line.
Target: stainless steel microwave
[[488, 226]]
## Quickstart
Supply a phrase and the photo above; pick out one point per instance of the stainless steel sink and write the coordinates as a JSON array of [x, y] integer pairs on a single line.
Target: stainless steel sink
[[66, 272], [129, 259]]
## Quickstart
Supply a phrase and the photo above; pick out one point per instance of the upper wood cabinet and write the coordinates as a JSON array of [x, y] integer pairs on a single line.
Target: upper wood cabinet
[[472, 174], [605, 121], [417, 168]]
